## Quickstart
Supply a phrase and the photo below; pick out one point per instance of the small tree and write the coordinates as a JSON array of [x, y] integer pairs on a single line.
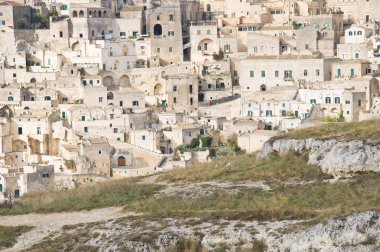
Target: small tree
[[194, 143], [20, 24]]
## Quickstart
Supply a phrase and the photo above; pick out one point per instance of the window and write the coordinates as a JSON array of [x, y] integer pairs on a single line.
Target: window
[[276, 73], [208, 32], [262, 74], [198, 32], [190, 89], [339, 72], [135, 103], [352, 72], [100, 99], [317, 72], [350, 33], [38, 130], [170, 33], [14, 75], [348, 102], [191, 101], [158, 50], [327, 100], [356, 55], [85, 129], [305, 72], [359, 103], [10, 98], [83, 118], [45, 175], [170, 49], [174, 88], [115, 130], [63, 115], [175, 99], [337, 100], [100, 152], [171, 17], [313, 101], [158, 17], [268, 113], [61, 34], [288, 74], [252, 74], [143, 138], [20, 130], [121, 104]]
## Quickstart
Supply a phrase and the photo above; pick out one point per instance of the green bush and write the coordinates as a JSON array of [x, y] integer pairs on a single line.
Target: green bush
[[194, 143], [206, 141]]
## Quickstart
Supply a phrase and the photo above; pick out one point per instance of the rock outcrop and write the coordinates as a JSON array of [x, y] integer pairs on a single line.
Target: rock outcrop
[[357, 232], [333, 156]]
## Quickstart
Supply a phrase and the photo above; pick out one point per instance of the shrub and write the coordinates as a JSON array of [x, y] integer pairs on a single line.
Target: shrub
[[206, 141], [194, 143]]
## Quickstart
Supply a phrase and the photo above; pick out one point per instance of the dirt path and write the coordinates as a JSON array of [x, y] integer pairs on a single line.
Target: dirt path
[[46, 223]]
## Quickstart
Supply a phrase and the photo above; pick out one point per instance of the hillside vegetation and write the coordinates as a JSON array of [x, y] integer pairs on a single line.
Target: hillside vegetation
[[367, 130], [226, 188]]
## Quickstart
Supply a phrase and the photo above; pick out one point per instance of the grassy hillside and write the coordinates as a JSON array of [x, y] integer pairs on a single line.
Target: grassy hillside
[[293, 189], [8, 235], [345, 131]]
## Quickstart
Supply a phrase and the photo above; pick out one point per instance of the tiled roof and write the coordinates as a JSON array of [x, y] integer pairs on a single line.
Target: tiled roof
[[10, 3]]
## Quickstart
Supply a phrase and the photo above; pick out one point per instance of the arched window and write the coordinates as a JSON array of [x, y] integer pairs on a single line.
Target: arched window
[[205, 46], [81, 13], [99, 13], [110, 96], [104, 13], [263, 88], [90, 13], [10, 98], [327, 100], [157, 30], [337, 100], [75, 14]]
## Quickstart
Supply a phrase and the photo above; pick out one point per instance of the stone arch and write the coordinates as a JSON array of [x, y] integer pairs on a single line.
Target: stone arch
[[109, 96], [75, 13], [19, 145], [33, 80], [157, 30], [205, 44], [125, 81], [157, 89], [220, 83], [99, 13], [163, 74], [90, 13], [140, 63], [263, 87], [35, 146], [208, 8], [108, 81], [104, 13], [75, 46], [81, 13]]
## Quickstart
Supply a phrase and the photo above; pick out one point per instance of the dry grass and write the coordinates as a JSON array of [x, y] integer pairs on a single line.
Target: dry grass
[[274, 169], [114, 193], [321, 201], [367, 130], [9, 235]]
